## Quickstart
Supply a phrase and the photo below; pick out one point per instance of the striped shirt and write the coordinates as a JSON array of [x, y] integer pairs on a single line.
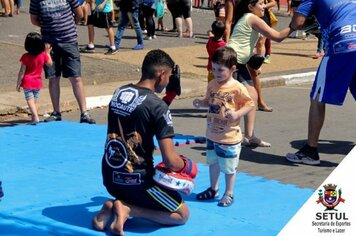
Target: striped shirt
[[57, 19]]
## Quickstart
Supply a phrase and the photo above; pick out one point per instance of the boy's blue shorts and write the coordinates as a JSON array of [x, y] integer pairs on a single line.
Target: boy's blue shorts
[[336, 74]]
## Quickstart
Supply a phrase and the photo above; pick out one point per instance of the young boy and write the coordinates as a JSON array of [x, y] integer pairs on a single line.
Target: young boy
[[100, 17], [215, 41], [136, 115], [227, 101]]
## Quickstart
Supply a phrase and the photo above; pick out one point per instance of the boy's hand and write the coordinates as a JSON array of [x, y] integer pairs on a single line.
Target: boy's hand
[[232, 116], [196, 103], [18, 88]]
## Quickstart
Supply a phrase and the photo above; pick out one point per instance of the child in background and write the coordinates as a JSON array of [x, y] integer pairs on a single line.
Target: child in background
[[215, 41], [227, 101], [100, 17], [30, 74]]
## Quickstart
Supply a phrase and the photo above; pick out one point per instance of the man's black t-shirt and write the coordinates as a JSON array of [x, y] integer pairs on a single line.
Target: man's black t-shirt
[[135, 116]]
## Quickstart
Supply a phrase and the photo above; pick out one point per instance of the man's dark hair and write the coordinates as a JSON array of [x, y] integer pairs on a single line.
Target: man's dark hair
[[225, 56], [153, 60], [34, 44], [218, 28]]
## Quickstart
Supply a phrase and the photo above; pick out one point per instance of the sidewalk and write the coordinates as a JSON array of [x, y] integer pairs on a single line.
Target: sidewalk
[[291, 62]]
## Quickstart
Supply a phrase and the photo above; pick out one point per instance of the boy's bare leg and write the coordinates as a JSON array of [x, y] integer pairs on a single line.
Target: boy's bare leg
[[230, 183], [104, 215], [214, 173]]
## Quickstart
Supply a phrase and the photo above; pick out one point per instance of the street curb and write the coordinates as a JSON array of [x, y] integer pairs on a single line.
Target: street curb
[[193, 90], [292, 79]]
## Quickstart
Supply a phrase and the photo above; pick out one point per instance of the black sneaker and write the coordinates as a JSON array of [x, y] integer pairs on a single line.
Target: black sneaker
[[111, 51], [55, 116], [85, 118], [305, 155], [87, 49]]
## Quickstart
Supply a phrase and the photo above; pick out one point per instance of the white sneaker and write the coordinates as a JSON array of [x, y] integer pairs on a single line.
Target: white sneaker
[[148, 38]]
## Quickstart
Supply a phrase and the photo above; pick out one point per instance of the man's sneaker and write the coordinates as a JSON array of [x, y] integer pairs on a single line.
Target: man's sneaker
[[148, 38], [87, 49], [267, 59], [138, 47], [305, 155], [55, 116], [111, 51], [85, 118]]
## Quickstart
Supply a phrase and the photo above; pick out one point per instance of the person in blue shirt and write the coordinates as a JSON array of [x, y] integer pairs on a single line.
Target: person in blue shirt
[[101, 17], [337, 70]]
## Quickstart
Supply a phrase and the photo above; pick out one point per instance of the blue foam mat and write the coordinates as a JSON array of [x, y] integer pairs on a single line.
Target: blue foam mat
[[51, 176]]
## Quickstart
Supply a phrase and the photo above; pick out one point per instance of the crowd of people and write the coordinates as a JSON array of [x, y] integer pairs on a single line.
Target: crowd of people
[[239, 44]]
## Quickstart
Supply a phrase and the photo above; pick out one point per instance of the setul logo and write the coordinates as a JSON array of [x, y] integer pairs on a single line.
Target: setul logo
[[330, 198]]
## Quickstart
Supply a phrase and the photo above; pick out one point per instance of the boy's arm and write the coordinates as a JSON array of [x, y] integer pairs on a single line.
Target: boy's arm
[[20, 77], [198, 103]]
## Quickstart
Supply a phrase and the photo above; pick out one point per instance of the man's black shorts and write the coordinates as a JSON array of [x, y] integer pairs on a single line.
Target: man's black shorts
[[100, 19]]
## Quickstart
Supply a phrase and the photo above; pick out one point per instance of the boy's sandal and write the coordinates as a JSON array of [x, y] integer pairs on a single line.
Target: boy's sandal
[[207, 194], [226, 200]]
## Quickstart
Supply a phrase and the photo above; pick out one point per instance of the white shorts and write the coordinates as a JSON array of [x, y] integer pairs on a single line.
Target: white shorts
[[226, 155]]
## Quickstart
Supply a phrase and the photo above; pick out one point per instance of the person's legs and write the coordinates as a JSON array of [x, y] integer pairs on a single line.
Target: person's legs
[[54, 92], [315, 121], [189, 26], [31, 99], [249, 119], [78, 90], [230, 183], [179, 25], [249, 122], [261, 104], [170, 7], [85, 7], [91, 34], [214, 174], [133, 16], [103, 217], [111, 36], [122, 211], [150, 23], [123, 20]]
